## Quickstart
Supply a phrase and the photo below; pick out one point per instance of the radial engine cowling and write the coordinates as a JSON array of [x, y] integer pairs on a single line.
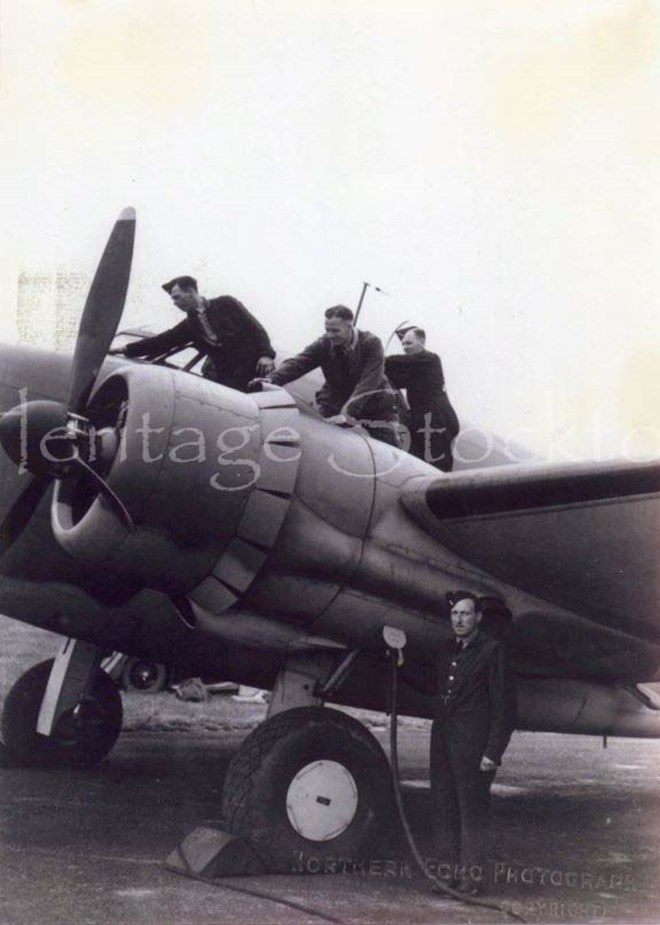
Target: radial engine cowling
[[205, 472]]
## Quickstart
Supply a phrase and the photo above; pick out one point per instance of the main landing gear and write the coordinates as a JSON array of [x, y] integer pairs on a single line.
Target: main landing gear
[[310, 784], [65, 712]]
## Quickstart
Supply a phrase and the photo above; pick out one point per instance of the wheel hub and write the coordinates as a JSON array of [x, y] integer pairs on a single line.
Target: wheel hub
[[143, 674], [322, 800]]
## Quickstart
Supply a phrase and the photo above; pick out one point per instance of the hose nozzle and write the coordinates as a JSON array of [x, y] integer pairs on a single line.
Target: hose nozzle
[[395, 639]]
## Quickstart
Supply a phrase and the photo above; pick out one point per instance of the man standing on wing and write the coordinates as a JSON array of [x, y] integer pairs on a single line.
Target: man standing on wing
[[236, 345], [355, 388], [433, 423]]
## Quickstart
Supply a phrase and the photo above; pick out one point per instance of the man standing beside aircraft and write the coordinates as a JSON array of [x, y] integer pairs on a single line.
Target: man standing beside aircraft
[[236, 345], [356, 387], [433, 422], [474, 717]]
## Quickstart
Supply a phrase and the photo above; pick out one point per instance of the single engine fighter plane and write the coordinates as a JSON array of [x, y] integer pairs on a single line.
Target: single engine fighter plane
[[149, 511]]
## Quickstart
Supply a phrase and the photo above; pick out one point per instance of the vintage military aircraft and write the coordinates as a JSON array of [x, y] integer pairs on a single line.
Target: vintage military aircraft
[[150, 511]]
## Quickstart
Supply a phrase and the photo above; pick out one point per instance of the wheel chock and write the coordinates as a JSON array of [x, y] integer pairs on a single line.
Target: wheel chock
[[207, 853]]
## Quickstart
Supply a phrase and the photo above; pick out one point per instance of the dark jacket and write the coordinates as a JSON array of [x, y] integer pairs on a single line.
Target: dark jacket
[[355, 381], [242, 340], [477, 707], [421, 375]]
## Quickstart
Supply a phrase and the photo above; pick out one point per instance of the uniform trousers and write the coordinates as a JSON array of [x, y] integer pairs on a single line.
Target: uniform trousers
[[460, 797]]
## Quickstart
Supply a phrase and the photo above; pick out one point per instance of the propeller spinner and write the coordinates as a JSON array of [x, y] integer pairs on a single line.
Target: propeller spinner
[[52, 440]]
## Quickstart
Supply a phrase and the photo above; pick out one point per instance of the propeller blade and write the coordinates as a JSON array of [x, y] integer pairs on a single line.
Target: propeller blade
[[104, 489], [22, 510], [103, 310]]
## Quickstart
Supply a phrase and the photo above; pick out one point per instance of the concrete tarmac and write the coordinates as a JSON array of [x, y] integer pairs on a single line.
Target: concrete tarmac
[[577, 840]]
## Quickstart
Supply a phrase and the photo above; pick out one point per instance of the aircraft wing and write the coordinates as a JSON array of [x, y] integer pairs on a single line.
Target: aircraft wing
[[583, 537]]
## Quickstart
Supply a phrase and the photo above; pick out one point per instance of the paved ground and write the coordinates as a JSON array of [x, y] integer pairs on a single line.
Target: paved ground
[[578, 840]]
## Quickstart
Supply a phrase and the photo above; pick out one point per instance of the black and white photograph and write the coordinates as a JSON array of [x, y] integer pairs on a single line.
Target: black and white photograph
[[330, 462]]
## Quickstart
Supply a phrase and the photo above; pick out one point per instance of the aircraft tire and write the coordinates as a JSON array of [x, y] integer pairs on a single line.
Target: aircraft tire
[[79, 741], [308, 786]]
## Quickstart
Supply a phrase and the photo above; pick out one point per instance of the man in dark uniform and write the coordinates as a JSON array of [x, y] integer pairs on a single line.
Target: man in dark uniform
[[473, 720], [236, 345], [433, 423], [355, 387]]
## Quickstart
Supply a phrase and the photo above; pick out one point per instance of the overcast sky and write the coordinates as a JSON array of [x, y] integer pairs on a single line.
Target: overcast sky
[[492, 166]]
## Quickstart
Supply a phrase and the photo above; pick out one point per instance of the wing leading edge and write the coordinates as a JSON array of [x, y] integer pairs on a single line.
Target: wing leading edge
[[583, 537]]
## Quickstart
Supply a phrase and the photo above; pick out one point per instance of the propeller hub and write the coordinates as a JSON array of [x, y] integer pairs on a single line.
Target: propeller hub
[[35, 437]]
